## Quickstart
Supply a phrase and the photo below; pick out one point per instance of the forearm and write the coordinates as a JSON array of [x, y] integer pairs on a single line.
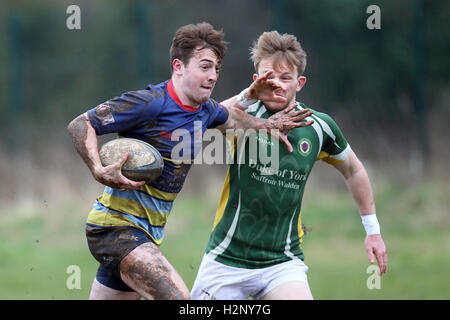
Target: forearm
[[242, 120], [84, 139], [231, 103], [359, 186]]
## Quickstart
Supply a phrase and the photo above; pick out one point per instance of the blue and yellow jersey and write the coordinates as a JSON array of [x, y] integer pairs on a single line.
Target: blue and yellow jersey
[[154, 115]]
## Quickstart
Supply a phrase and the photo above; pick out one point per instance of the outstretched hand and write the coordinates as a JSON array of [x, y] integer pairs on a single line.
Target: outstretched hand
[[284, 121], [265, 89], [112, 176]]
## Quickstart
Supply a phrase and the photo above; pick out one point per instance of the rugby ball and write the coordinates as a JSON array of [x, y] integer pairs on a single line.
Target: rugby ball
[[144, 162]]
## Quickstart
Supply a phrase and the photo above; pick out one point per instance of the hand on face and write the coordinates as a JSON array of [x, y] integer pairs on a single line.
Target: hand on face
[[276, 84], [266, 90]]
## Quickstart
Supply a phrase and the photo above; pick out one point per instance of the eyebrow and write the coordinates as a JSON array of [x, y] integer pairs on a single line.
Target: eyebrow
[[284, 73], [219, 63], [207, 60]]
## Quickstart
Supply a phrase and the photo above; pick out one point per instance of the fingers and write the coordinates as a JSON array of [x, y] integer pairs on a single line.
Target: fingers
[[122, 161], [130, 184], [300, 115], [377, 250], [123, 183], [289, 109], [112, 176], [303, 124], [276, 98], [266, 75], [283, 138], [371, 256], [286, 142], [382, 261]]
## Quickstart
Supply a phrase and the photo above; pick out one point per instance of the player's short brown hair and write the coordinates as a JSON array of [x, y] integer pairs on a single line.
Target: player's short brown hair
[[201, 35], [284, 47]]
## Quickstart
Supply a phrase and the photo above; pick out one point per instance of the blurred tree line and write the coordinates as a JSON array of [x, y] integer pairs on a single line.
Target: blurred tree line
[[388, 86]]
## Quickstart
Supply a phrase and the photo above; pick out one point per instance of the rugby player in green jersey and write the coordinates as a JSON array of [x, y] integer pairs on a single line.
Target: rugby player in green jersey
[[255, 246]]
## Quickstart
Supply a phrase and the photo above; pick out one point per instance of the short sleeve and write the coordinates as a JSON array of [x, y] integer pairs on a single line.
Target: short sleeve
[[128, 112], [219, 114], [335, 148]]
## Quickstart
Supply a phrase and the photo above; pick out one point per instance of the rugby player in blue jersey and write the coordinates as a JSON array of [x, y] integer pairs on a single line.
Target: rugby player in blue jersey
[[126, 224]]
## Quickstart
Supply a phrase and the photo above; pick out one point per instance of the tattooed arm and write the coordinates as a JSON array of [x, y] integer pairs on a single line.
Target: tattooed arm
[[278, 125], [85, 141]]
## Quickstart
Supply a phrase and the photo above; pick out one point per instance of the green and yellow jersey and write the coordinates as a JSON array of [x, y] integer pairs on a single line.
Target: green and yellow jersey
[[258, 220]]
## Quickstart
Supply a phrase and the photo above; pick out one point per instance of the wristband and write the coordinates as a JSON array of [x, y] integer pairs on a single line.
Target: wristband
[[244, 100], [370, 223]]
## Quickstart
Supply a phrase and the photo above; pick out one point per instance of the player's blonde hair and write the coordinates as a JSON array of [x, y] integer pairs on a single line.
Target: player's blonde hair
[[285, 48]]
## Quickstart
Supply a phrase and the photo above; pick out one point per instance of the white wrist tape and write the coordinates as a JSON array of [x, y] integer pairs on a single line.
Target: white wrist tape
[[244, 100], [370, 223]]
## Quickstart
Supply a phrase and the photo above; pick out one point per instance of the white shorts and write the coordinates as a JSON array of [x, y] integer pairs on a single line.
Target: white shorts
[[217, 281]]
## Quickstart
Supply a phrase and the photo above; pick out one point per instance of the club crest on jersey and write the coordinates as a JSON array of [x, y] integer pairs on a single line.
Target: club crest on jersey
[[304, 146]]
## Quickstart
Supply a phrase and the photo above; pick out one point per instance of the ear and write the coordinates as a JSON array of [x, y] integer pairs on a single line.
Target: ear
[[255, 76], [177, 66], [301, 82]]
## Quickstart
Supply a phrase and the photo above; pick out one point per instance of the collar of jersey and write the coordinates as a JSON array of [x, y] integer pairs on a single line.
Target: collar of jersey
[[174, 96]]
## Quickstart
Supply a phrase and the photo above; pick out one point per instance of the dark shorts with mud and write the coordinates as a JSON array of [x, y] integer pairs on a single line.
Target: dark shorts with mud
[[109, 245]]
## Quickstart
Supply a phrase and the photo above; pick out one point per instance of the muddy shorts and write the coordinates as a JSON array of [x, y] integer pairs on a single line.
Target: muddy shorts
[[109, 245]]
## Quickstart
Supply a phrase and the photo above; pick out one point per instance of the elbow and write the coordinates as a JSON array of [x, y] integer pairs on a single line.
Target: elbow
[[70, 126], [78, 124]]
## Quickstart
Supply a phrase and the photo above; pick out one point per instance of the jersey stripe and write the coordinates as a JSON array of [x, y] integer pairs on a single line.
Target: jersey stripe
[[103, 216], [225, 242], [253, 107], [301, 233], [158, 193], [287, 248], [344, 154], [326, 128], [223, 200], [318, 130], [261, 111], [142, 198]]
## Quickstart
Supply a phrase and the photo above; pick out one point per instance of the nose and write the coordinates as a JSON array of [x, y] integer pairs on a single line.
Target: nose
[[277, 82], [281, 86], [213, 75]]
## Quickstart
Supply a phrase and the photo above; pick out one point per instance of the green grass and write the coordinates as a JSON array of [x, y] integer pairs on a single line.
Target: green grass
[[40, 241]]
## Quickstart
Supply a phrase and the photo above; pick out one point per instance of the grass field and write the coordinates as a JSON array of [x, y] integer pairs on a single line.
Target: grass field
[[39, 241]]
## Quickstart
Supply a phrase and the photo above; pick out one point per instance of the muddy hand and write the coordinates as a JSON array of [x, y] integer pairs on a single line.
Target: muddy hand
[[112, 176], [285, 121], [265, 89]]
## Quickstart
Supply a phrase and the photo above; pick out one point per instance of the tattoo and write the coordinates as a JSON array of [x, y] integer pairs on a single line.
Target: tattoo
[[78, 130]]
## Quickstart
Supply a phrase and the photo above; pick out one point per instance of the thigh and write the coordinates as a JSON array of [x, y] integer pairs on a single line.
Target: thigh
[[292, 290], [102, 292], [109, 245], [217, 281], [285, 281], [148, 272]]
